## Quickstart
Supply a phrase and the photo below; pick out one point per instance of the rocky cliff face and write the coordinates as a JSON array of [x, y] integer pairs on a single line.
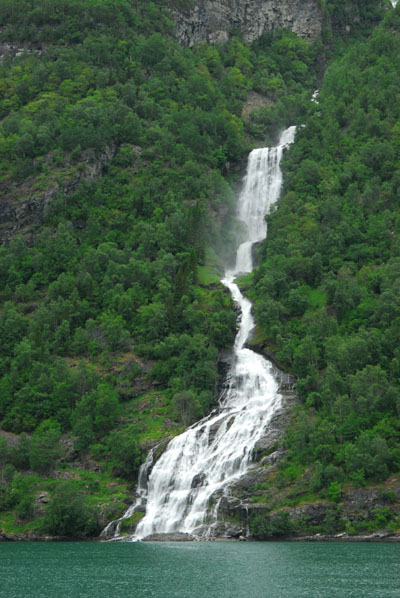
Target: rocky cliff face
[[214, 20]]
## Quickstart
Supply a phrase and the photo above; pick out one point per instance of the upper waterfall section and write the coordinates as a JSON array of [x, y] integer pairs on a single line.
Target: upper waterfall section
[[213, 20], [261, 189]]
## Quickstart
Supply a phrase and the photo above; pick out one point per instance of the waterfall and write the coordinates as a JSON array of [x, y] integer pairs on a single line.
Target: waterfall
[[114, 527], [216, 451]]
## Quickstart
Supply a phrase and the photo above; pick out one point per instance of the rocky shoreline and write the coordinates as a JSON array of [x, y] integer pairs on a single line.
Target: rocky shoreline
[[378, 536]]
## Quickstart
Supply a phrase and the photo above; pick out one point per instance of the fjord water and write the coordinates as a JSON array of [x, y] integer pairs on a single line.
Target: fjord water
[[199, 570], [207, 457]]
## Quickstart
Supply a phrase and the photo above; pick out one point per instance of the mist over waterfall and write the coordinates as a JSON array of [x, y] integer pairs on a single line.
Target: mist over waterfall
[[199, 464]]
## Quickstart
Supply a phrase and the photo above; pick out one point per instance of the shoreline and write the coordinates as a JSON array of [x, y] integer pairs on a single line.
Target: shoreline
[[379, 536]]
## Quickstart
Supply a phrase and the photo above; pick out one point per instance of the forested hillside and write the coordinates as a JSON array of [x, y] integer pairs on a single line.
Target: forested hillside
[[120, 156], [119, 150], [327, 289]]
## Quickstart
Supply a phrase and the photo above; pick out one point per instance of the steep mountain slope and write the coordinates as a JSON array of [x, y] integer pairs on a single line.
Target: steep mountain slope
[[215, 21], [326, 295], [119, 152], [115, 149]]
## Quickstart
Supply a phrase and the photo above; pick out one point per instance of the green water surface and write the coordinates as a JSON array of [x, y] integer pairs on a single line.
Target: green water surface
[[199, 570]]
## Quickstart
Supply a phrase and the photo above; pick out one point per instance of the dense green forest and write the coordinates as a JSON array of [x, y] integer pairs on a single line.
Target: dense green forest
[[112, 317], [117, 281], [326, 293]]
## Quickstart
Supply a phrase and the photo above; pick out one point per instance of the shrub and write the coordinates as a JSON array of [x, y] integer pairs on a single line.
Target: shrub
[[69, 514]]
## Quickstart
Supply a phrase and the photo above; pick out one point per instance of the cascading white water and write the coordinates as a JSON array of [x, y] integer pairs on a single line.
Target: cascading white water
[[114, 527], [394, 3], [217, 450]]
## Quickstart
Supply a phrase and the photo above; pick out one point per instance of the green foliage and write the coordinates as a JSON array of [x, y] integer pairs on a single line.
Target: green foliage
[[130, 521], [19, 495], [3, 455], [25, 509], [132, 138], [95, 415], [334, 491], [356, 16], [264, 525], [325, 291], [45, 447], [120, 257], [187, 407], [125, 453], [69, 514]]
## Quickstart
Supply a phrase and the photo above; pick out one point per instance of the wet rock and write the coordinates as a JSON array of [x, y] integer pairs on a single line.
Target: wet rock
[[224, 364], [213, 431], [244, 486], [275, 430], [222, 530], [383, 533], [234, 532], [69, 451], [109, 531], [229, 503], [25, 537], [198, 480], [273, 433]]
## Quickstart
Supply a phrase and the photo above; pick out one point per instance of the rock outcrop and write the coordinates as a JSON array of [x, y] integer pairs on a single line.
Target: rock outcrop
[[24, 205], [357, 506], [12, 49], [213, 21]]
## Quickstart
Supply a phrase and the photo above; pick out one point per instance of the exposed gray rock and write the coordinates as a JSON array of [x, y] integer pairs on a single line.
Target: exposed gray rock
[[224, 364], [272, 459], [213, 432], [16, 49], [22, 206], [286, 381], [254, 101], [214, 20], [356, 505], [11, 438], [276, 428], [44, 497], [314, 514], [199, 480], [223, 531], [110, 530]]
